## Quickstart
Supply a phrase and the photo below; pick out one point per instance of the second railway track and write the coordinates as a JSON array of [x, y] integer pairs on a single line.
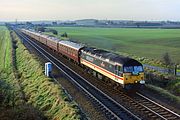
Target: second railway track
[[156, 108]]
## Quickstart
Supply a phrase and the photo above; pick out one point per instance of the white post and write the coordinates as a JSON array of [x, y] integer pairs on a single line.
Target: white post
[[48, 68]]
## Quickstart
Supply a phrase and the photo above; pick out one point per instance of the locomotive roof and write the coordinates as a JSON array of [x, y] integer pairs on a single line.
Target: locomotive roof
[[111, 56], [72, 44]]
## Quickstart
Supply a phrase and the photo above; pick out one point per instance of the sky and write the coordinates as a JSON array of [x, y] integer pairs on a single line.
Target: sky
[[29, 10]]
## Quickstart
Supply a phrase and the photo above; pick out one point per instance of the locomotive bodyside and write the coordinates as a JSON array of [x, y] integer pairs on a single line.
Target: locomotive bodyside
[[114, 67]]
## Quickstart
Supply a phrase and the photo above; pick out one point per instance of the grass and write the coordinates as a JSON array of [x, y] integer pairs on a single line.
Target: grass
[[41, 94], [5, 47], [174, 86], [11, 104], [7, 87], [41, 91], [150, 43]]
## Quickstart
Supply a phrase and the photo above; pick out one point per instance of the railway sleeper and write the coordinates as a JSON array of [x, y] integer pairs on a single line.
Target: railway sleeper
[[154, 116], [146, 102], [146, 111], [156, 108], [142, 109], [160, 110], [152, 106], [112, 117], [108, 113], [173, 118], [167, 115], [164, 113]]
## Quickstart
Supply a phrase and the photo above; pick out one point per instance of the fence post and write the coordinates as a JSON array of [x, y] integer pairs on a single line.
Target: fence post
[[175, 70]]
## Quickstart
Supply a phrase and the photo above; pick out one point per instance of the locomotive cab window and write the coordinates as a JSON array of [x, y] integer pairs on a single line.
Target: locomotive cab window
[[131, 69], [138, 69]]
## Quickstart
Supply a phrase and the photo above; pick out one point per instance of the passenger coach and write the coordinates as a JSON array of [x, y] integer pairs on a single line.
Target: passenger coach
[[70, 49]]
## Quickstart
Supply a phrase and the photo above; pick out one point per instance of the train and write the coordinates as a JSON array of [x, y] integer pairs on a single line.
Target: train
[[114, 69]]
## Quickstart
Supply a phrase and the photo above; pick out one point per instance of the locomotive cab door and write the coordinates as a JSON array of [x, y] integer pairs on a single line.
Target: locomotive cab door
[[117, 69]]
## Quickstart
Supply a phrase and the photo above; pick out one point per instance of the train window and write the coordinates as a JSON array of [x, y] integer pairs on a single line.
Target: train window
[[138, 68], [119, 68], [110, 66], [128, 69], [89, 58]]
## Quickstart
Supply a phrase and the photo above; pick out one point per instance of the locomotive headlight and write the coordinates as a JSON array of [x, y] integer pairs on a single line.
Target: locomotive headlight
[[142, 82], [136, 81]]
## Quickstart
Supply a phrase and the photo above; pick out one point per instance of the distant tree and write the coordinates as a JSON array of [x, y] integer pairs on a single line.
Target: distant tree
[[41, 29], [168, 63], [167, 59], [54, 23], [54, 31], [28, 23], [138, 25], [64, 35]]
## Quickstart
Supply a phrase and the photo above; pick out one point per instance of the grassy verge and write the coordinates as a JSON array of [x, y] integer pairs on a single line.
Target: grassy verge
[[8, 86], [12, 105], [41, 91], [5, 49]]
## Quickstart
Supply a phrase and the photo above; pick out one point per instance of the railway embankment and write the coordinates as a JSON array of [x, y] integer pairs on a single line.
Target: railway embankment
[[12, 105], [25, 93], [41, 91]]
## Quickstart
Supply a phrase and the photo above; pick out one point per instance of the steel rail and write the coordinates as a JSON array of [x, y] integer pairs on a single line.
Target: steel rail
[[177, 116], [115, 116]]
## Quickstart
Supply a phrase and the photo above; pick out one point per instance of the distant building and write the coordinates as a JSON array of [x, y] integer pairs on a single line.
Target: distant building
[[54, 23], [87, 22]]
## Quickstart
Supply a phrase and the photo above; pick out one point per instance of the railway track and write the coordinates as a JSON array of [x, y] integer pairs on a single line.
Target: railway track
[[138, 102], [156, 108], [112, 109], [147, 107]]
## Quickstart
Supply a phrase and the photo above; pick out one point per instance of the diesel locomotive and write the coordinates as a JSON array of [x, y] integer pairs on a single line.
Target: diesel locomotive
[[113, 68]]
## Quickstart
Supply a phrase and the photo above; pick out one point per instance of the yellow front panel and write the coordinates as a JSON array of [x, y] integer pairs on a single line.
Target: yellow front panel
[[131, 79]]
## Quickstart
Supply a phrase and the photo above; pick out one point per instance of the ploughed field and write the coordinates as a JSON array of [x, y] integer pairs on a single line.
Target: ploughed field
[[150, 43]]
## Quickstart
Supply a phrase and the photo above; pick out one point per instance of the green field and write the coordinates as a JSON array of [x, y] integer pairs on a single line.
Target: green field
[[150, 43]]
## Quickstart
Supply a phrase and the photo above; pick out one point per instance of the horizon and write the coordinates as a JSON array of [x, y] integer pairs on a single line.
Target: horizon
[[16, 20], [54, 10]]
